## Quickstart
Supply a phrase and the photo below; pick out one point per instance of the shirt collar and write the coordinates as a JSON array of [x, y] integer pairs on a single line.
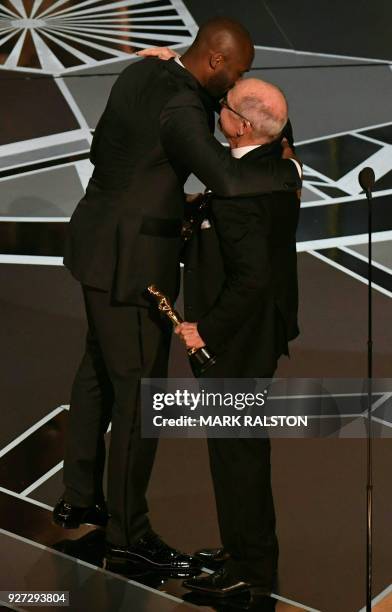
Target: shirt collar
[[241, 151], [179, 62]]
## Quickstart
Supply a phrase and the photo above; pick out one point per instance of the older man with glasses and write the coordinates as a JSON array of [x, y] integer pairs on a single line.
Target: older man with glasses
[[241, 298]]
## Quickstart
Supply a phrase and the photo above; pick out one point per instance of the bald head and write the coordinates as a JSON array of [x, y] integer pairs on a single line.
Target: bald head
[[221, 52], [262, 104], [224, 35]]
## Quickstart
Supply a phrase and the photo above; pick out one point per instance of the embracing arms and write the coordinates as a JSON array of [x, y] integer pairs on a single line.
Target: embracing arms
[[187, 140]]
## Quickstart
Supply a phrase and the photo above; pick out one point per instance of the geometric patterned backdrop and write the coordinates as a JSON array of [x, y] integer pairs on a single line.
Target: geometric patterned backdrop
[[58, 61], [50, 54]]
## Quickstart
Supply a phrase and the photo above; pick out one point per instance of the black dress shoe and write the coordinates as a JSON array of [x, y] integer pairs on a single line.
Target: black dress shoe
[[243, 602], [90, 547], [212, 556], [222, 584], [151, 552], [71, 517]]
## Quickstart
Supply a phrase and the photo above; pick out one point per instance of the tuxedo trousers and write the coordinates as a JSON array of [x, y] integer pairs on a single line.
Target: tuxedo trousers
[[124, 343], [241, 476]]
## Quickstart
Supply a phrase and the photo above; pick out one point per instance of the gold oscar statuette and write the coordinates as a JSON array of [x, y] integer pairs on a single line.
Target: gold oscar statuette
[[201, 358]]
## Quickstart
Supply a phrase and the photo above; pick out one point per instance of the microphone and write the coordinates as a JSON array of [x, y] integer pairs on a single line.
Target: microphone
[[367, 179]]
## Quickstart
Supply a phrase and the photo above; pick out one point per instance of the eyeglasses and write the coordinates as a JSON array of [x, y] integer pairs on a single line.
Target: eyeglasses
[[223, 102]]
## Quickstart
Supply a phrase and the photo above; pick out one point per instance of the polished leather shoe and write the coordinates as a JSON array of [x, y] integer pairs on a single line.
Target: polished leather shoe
[[150, 551], [90, 547], [212, 556], [222, 584], [243, 602], [71, 517]]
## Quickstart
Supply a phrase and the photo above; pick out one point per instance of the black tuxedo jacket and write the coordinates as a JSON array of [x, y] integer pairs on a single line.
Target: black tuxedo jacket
[[240, 279], [156, 129]]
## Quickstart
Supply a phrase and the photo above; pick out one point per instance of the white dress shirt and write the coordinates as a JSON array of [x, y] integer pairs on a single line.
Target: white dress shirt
[[241, 151], [179, 62]]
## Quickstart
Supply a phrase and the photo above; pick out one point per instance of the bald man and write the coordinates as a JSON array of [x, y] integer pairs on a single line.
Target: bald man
[[240, 289], [124, 235]]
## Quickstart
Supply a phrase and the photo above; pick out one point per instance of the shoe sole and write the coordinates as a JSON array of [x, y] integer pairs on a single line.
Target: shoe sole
[[219, 595]]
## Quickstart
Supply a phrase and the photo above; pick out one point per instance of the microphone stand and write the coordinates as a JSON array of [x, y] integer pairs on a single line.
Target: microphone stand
[[369, 488], [367, 180]]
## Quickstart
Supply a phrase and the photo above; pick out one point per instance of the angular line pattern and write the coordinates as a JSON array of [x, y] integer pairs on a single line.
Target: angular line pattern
[[57, 36]]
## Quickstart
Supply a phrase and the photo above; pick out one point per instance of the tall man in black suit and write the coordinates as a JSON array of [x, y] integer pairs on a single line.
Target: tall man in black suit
[[240, 288], [125, 234]]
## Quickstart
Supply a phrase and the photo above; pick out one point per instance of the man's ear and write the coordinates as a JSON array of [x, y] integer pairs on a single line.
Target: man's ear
[[245, 128], [216, 59], [241, 128]]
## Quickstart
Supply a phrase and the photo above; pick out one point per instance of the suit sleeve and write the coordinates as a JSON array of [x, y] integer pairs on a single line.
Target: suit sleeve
[[187, 140], [243, 231]]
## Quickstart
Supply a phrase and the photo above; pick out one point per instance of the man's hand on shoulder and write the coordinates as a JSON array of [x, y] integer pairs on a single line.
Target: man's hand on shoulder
[[163, 53], [288, 153], [189, 335]]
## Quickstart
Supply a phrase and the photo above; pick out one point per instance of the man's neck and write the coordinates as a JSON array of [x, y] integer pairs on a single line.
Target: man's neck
[[191, 63]]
